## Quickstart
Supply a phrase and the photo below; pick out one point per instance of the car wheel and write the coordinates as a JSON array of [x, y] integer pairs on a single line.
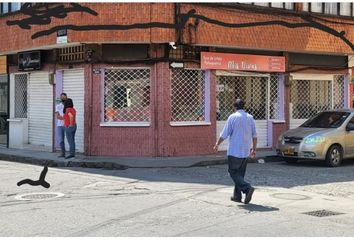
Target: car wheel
[[334, 156], [290, 160]]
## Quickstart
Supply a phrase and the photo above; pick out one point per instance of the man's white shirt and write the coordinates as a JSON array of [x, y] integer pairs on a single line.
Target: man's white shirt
[[60, 108]]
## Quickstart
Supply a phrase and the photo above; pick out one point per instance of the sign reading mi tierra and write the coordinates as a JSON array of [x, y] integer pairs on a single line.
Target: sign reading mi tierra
[[242, 62]]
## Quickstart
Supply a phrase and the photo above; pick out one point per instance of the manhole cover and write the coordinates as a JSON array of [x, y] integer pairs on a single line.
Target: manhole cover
[[290, 196], [322, 213], [39, 196]]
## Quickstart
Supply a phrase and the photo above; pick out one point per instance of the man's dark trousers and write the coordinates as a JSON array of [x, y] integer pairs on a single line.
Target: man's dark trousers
[[237, 170]]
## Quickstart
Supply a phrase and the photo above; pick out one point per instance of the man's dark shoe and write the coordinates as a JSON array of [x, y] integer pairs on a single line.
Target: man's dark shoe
[[236, 199], [249, 195], [70, 157]]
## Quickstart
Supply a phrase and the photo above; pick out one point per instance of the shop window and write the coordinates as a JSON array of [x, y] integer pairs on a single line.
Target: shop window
[[126, 95], [252, 89], [274, 97], [188, 96], [338, 92], [21, 96], [308, 97]]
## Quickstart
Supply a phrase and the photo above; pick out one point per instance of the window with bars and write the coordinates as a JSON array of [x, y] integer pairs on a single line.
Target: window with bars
[[21, 96], [338, 91], [71, 54], [188, 95], [274, 97], [126, 95], [308, 97], [252, 89]]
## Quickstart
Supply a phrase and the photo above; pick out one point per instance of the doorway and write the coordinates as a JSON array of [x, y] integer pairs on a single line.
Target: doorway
[[3, 109]]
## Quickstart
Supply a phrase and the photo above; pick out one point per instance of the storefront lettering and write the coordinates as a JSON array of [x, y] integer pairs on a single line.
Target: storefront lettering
[[249, 66]]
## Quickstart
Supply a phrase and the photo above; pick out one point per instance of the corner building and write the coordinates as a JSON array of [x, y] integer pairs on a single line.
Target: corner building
[[160, 79]]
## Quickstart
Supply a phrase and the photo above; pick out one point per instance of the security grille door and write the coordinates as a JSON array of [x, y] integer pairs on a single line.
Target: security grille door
[[40, 112], [20, 95], [255, 91], [308, 97], [74, 87]]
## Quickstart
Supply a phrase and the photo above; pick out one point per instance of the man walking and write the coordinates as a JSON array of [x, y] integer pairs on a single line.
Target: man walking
[[241, 130], [60, 122]]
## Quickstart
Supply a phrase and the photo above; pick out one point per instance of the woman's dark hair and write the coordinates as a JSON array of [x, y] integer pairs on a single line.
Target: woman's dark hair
[[68, 104]]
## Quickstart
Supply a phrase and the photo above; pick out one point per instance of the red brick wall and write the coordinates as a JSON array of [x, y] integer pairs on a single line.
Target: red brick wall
[[15, 38], [262, 37], [178, 140], [114, 140], [272, 37]]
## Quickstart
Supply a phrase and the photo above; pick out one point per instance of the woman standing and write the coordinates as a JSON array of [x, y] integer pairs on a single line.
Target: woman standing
[[70, 125]]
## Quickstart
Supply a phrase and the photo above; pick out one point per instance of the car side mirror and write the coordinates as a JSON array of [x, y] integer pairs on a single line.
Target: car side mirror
[[350, 127]]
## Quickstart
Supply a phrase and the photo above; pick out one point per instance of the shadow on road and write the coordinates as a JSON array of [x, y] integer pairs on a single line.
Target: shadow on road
[[258, 208]]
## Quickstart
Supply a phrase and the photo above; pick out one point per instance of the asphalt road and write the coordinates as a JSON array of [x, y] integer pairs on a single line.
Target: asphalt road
[[177, 201]]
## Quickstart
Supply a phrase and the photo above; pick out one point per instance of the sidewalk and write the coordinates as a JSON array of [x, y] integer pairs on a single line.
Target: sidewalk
[[40, 158]]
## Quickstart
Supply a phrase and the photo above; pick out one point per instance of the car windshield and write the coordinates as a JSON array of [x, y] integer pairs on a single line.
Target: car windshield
[[326, 120]]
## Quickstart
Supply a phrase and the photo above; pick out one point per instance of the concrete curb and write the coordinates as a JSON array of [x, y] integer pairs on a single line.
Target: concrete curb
[[117, 166]]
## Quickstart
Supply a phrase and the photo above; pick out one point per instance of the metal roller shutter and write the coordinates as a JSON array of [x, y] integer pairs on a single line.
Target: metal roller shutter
[[40, 112], [73, 86]]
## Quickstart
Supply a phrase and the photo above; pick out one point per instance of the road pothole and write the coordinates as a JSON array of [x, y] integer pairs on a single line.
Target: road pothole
[[39, 196]]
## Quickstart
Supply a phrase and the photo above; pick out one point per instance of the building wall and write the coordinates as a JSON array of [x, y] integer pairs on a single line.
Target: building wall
[[17, 38], [258, 37], [182, 140], [160, 139], [272, 37]]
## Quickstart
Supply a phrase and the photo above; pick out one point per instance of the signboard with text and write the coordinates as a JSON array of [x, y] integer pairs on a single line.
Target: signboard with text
[[241, 62], [3, 65]]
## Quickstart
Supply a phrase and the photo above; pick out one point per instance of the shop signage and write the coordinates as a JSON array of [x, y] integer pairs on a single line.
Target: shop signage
[[176, 65], [62, 36], [29, 61], [242, 62], [3, 66]]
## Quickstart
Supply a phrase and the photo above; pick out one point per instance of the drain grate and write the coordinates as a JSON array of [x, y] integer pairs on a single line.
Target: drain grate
[[322, 213], [39, 196]]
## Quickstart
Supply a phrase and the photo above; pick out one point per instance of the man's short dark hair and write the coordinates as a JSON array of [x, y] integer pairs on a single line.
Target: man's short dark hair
[[239, 104], [63, 94]]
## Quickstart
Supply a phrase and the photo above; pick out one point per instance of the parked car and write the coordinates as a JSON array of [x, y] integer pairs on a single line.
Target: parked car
[[328, 136]]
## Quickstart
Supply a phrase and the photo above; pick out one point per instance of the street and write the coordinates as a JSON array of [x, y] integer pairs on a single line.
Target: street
[[177, 201]]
